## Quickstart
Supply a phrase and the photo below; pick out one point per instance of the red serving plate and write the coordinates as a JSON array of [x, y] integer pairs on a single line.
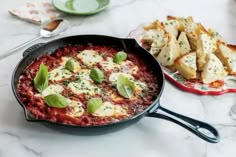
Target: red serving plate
[[193, 86]]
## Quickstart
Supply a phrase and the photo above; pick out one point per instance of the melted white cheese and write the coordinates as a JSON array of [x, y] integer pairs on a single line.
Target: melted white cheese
[[114, 76], [83, 87], [109, 64], [75, 109], [84, 74], [129, 67], [108, 109], [52, 89], [89, 57], [139, 86], [60, 73]]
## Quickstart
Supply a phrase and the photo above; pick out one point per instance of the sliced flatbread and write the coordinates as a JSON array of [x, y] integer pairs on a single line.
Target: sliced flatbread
[[186, 65], [169, 53], [213, 70], [182, 20], [193, 30], [184, 43], [158, 44], [154, 25], [155, 37], [216, 36], [205, 45], [189, 27], [180, 43], [227, 55], [172, 27]]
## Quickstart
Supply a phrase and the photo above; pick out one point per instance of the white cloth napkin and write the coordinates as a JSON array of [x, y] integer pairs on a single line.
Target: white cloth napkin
[[35, 12]]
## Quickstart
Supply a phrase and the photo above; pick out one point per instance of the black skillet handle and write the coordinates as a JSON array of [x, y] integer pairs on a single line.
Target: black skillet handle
[[201, 129], [32, 48]]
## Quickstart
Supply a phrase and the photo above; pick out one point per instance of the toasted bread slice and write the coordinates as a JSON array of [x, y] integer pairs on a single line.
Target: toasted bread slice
[[216, 36], [154, 25], [169, 53], [193, 30], [227, 55], [184, 21], [186, 65], [205, 45], [188, 26], [184, 43], [158, 44], [148, 37], [172, 27], [155, 32], [213, 70]]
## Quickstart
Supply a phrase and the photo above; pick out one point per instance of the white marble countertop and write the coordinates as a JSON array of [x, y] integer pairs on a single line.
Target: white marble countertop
[[150, 137]]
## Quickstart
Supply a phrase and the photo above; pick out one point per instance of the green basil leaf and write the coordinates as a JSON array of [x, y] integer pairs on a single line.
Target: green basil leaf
[[93, 104], [70, 65], [56, 100], [96, 75], [120, 57], [41, 78], [125, 87]]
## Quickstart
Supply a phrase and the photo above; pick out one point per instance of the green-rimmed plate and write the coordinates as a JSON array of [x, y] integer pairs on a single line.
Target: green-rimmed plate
[[80, 7]]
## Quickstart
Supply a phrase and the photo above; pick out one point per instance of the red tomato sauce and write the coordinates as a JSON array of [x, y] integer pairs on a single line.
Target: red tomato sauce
[[39, 109]]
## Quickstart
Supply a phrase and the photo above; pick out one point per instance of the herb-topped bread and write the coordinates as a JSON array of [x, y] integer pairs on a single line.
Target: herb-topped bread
[[186, 65], [227, 54], [213, 70], [180, 43]]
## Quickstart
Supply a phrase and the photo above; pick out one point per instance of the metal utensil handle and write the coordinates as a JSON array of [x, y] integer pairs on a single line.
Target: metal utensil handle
[[12, 51], [197, 127]]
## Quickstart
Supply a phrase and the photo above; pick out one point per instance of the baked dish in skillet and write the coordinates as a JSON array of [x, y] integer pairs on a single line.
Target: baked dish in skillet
[[87, 85]]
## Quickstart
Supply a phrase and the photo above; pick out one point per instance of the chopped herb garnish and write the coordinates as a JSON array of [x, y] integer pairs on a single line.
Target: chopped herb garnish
[[66, 82], [181, 43]]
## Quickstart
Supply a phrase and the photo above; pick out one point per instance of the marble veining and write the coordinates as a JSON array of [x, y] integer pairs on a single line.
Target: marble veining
[[150, 137]]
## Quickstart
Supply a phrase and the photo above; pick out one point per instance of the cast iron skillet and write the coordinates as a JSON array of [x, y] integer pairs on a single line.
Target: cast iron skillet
[[201, 129]]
